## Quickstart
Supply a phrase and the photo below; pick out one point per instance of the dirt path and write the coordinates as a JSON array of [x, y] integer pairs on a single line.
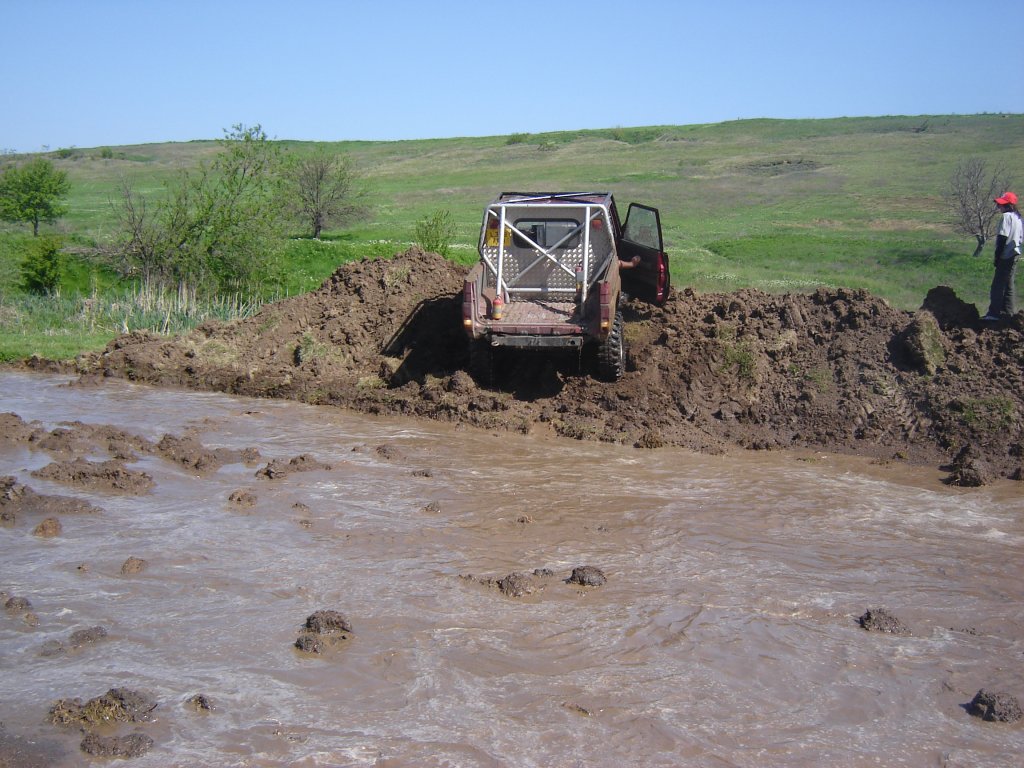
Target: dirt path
[[838, 370]]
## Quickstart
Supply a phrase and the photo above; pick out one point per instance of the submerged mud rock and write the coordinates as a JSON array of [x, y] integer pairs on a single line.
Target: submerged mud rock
[[48, 529], [118, 705], [76, 641], [995, 707], [242, 498], [880, 620], [82, 637], [249, 456], [516, 585], [16, 605], [327, 622], [303, 463], [311, 643], [125, 747], [389, 452], [110, 475], [133, 565], [324, 630], [200, 702], [587, 576]]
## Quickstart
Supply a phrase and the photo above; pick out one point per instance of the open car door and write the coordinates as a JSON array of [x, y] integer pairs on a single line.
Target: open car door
[[641, 236]]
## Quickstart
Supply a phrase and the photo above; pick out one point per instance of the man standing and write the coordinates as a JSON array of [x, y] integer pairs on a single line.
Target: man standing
[[1002, 301]]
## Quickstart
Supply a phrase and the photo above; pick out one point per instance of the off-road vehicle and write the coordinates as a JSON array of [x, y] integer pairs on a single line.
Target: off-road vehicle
[[553, 269]]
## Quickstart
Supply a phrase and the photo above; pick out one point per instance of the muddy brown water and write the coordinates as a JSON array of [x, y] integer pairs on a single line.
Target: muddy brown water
[[725, 635]]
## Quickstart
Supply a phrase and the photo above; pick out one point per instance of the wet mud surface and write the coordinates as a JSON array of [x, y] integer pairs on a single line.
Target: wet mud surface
[[836, 370]]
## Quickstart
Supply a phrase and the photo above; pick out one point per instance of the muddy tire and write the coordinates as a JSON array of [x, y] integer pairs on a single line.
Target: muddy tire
[[611, 356]]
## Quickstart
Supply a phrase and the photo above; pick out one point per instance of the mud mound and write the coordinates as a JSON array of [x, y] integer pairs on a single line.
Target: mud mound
[[118, 705], [372, 323], [110, 475], [836, 370], [17, 500]]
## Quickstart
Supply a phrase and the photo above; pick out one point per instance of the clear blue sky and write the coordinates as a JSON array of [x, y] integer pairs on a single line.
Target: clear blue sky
[[91, 73]]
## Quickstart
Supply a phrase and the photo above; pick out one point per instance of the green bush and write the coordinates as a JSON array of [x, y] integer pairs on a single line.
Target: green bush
[[42, 269], [436, 232]]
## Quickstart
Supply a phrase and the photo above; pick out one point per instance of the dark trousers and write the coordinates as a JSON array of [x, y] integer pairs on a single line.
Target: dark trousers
[[1002, 301]]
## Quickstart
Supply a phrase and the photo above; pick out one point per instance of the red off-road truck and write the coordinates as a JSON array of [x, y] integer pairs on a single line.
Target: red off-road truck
[[553, 269]]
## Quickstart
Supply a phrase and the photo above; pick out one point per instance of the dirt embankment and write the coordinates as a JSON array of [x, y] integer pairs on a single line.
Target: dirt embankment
[[836, 370]]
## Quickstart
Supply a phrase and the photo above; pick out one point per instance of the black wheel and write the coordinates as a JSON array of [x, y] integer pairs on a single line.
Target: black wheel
[[611, 357]]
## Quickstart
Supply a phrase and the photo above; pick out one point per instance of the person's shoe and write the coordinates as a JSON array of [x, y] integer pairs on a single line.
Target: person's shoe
[[990, 319]]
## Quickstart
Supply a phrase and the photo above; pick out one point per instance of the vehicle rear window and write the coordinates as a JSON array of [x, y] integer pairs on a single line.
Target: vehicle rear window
[[547, 233]]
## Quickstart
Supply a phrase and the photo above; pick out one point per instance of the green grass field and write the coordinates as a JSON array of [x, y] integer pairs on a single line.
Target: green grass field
[[778, 205]]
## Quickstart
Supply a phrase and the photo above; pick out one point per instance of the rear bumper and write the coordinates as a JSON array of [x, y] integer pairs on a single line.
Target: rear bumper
[[523, 341]]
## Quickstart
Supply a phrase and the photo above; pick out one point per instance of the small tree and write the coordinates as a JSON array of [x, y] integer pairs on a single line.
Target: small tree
[[33, 193], [436, 231], [215, 229], [323, 189], [969, 198], [42, 269]]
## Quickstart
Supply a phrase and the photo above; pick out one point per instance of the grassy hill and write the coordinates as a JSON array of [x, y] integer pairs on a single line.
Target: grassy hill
[[780, 205]]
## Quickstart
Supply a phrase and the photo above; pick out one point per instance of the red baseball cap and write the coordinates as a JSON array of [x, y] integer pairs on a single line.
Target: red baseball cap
[[1008, 198]]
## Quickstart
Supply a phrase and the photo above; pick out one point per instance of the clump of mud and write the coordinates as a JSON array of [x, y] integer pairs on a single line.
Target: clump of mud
[[277, 468], [242, 499], [516, 585], [995, 707], [587, 576], [324, 630], [16, 605], [125, 747], [133, 565], [17, 500], [110, 475], [48, 528], [191, 454], [969, 470], [73, 439], [14, 429], [76, 641], [836, 370], [880, 620], [519, 584], [118, 705], [199, 702]]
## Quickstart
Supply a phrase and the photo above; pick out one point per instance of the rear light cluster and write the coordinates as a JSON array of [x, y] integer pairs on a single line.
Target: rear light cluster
[[606, 307]]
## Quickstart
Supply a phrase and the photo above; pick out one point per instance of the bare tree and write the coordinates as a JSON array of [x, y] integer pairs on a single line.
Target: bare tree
[[322, 189], [970, 196], [138, 253]]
